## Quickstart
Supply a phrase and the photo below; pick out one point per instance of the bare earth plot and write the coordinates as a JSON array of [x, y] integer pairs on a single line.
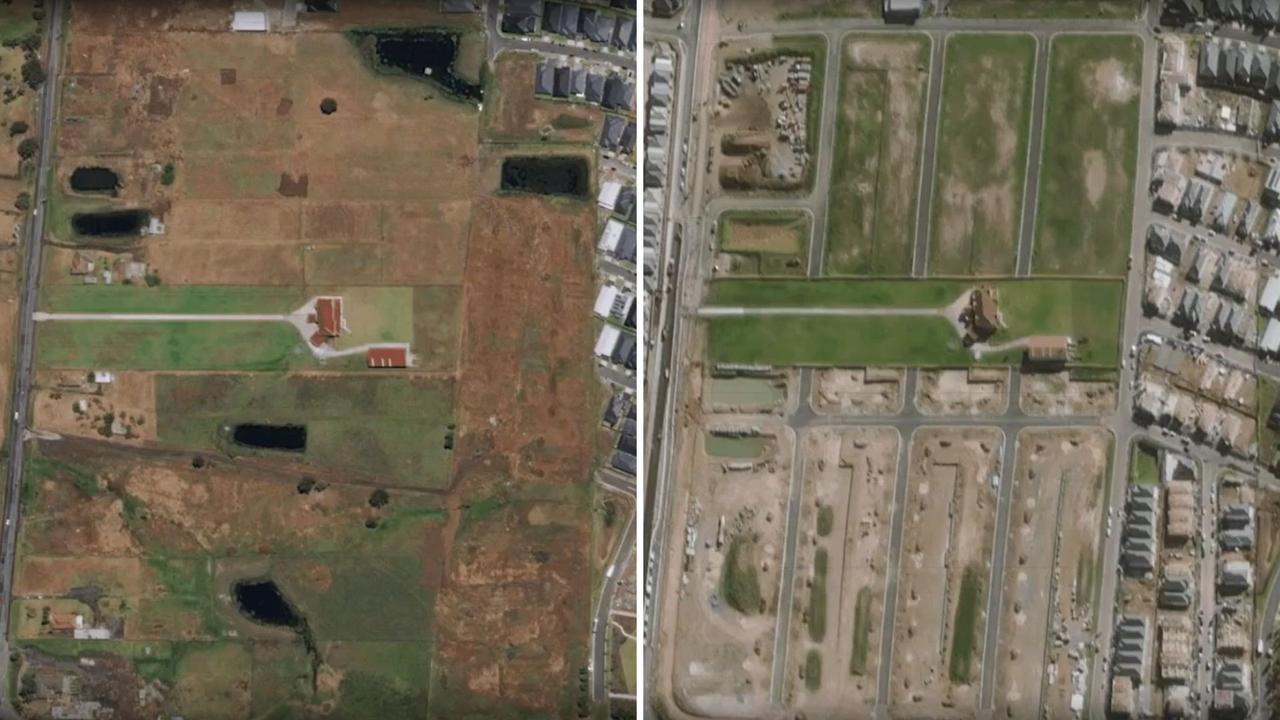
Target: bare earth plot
[[976, 391], [763, 243], [857, 391], [1015, 9], [841, 561], [1059, 394], [944, 569], [875, 175], [986, 104], [1085, 209], [726, 609], [757, 10], [1051, 571]]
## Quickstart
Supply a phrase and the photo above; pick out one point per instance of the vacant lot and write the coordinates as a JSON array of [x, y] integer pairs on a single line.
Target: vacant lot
[[876, 173], [849, 477], [1085, 209], [947, 535], [513, 114], [758, 10], [1052, 571], [986, 105], [764, 243], [1088, 310]]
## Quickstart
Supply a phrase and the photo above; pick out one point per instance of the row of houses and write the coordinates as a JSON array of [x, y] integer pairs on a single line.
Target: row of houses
[[1259, 14], [560, 80], [572, 22]]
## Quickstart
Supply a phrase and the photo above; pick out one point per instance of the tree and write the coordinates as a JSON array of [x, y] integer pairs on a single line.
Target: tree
[[28, 148], [167, 175], [379, 498], [23, 201], [33, 73], [328, 106], [17, 127]]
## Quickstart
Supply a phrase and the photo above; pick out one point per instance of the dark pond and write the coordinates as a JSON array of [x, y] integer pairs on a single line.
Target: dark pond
[[112, 223], [261, 601], [418, 51], [272, 437], [94, 179], [546, 175]]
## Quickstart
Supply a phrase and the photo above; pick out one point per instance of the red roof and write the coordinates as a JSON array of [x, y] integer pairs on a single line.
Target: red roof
[[387, 357], [329, 315]]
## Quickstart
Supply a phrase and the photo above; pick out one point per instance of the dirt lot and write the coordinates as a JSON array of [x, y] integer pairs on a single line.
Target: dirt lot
[[947, 535], [1051, 572], [857, 391], [70, 403], [979, 391], [522, 418], [722, 665], [849, 478], [1058, 394]]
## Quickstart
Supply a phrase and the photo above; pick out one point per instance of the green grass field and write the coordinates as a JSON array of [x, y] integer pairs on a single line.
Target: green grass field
[[977, 198], [875, 171], [1084, 214], [385, 424], [818, 597], [629, 658], [1143, 465], [1088, 310], [170, 346], [826, 520], [17, 21], [187, 299], [1045, 9], [964, 639], [861, 633], [765, 243], [739, 582], [1268, 439], [812, 671]]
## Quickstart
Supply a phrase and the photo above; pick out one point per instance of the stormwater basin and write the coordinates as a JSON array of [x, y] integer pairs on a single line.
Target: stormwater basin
[[546, 175], [291, 438]]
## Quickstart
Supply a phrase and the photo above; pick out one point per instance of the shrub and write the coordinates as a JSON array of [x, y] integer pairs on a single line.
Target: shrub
[[33, 73], [23, 201], [328, 106], [379, 498], [28, 148], [152, 279], [167, 175], [17, 127]]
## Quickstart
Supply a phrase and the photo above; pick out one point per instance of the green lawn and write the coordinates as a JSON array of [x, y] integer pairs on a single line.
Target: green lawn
[[16, 21], [387, 424], [1144, 465], [964, 638], [1088, 310], [826, 520], [1084, 213], [628, 652], [170, 346], [986, 112], [190, 299], [875, 171], [818, 597]]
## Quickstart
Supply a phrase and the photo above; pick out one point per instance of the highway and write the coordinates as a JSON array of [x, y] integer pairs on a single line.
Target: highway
[[26, 330]]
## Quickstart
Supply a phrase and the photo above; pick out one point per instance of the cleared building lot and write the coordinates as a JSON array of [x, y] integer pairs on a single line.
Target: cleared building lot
[[848, 479], [946, 549], [1052, 570]]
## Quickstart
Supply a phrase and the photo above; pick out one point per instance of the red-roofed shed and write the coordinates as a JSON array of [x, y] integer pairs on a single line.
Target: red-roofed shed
[[387, 357], [329, 316]]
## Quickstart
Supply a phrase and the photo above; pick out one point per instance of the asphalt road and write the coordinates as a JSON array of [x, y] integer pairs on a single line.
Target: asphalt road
[[26, 333], [1035, 143], [929, 154], [604, 605], [536, 43]]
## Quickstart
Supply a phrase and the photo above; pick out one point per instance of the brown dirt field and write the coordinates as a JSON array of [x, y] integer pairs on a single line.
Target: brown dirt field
[[131, 397], [857, 391], [221, 264], [522, 419], [1055, 522], [752, 11], [57, 575], [950, 516], [853, 472], [978, 391], [343, 222], [769, 238], [514, 114], [1057, 394], [427, 244]]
